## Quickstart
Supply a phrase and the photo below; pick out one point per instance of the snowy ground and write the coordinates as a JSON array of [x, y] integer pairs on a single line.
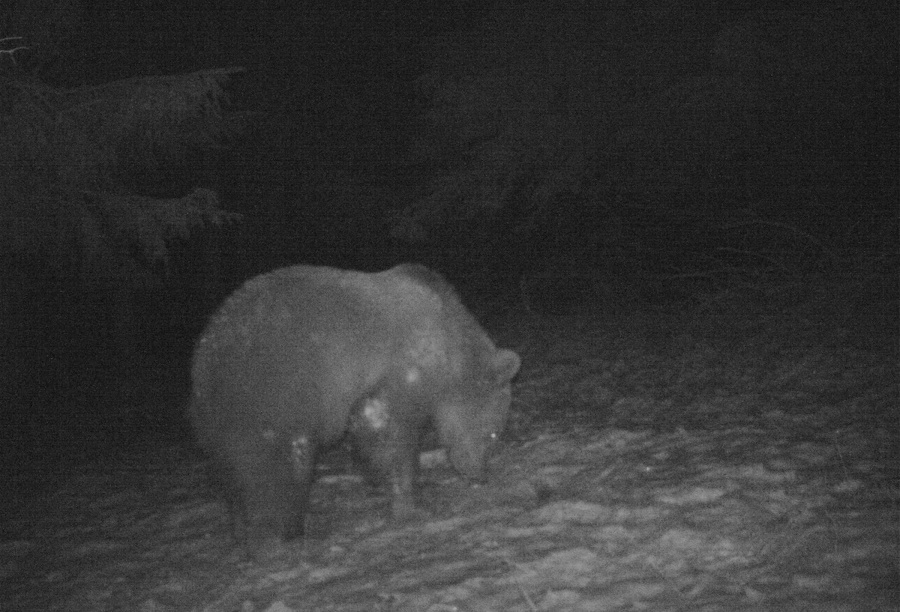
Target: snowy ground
[[738, 452]]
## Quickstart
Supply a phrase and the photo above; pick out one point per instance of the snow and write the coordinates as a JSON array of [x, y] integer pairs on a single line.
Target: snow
[[695, 462]]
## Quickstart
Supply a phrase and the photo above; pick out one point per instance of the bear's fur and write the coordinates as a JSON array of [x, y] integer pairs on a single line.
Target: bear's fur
[[297, 357]]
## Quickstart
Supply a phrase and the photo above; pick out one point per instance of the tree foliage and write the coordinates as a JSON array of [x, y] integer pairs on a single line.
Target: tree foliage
[[686, 112], [513, 108], [69, 157]]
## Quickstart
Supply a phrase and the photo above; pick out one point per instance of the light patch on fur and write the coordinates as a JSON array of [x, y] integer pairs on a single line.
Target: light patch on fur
[[376, 413], [413, 376]]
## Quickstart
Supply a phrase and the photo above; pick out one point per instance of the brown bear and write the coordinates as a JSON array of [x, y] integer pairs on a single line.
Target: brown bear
[[296, 358]]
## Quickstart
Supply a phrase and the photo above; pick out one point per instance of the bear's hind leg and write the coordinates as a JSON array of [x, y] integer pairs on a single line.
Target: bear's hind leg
[[274, 485]]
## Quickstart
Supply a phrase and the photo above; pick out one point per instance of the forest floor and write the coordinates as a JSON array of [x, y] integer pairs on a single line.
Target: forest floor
[[739, 451]]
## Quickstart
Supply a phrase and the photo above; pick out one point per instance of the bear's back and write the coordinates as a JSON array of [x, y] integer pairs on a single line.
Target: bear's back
[[346, 324]]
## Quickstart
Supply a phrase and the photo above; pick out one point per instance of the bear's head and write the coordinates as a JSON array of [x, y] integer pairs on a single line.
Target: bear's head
[[473, 415]]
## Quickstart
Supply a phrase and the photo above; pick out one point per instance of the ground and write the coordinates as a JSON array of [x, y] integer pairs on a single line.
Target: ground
[[735, 450]]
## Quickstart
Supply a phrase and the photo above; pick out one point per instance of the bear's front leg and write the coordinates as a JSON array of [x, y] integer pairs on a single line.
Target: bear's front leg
[[402, 480], [390, 445]]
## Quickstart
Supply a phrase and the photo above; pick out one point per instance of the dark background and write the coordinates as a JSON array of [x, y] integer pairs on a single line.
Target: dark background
[[498, 144]]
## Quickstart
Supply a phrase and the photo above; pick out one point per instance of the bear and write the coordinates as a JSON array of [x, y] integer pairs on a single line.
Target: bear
[[299, 358]]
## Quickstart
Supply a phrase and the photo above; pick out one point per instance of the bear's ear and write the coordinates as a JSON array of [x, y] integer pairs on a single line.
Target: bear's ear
[[506, 365]]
